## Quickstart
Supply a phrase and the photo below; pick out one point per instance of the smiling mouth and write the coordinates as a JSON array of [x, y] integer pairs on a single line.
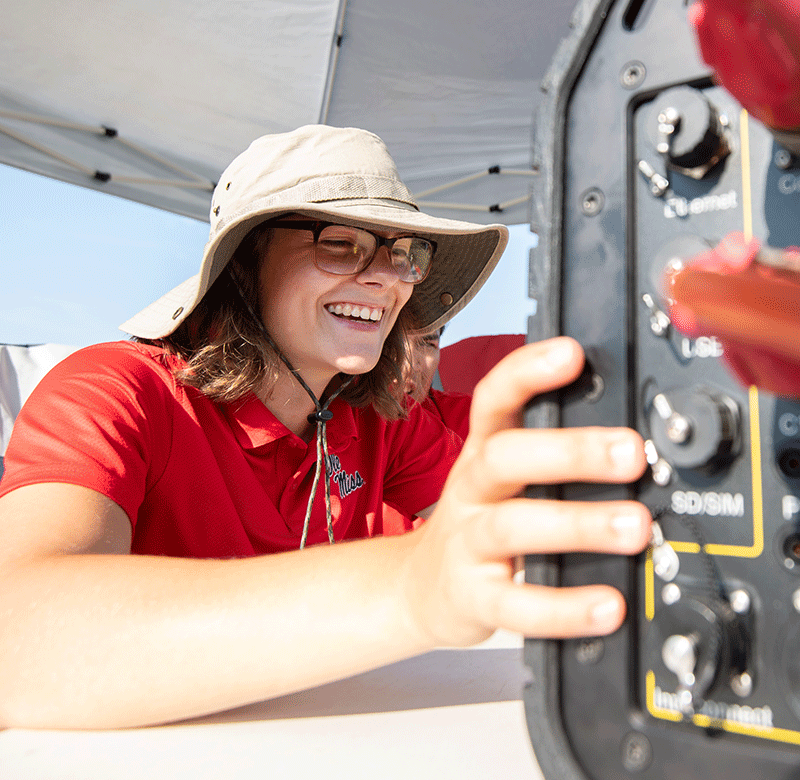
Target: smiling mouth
[[354, 312]]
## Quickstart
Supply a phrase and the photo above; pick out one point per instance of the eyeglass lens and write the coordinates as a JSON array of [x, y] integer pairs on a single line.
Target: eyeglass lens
[[346, 250]]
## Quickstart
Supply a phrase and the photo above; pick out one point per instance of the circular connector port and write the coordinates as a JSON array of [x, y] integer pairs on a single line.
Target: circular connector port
[[789, 463], [791, 550], [786, 547]]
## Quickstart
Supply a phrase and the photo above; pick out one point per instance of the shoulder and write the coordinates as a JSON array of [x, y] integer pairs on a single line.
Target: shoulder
[[443, 403], [420, 451], [126, 362], [437, 397], [105, 379], [102, 418], [119, 354], [451, 409]]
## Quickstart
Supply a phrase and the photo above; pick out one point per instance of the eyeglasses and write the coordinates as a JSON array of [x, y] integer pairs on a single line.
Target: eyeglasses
[[343, 250]]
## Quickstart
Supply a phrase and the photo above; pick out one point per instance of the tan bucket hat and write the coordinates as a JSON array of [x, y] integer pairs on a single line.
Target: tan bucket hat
[[345, 175]]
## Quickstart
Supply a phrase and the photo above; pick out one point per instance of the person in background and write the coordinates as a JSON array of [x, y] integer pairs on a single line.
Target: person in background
[[451, 408]]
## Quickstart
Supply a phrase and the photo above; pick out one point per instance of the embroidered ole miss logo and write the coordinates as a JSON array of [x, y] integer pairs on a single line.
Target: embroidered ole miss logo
[[347, 483]]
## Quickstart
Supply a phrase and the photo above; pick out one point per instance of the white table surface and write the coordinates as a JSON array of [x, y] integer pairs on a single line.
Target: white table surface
[[447, 714]]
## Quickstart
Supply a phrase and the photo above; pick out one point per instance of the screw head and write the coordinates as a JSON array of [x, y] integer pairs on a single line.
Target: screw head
[[632, 74], [782, 159], [592, 202], [637, 752], [590, 650], [666, 563], [595, 393]]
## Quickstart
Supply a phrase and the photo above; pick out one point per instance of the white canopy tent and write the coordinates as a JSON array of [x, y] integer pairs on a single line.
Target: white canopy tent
[[150, 99]]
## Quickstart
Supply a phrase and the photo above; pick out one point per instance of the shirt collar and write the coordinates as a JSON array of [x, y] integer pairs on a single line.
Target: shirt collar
[[254, 425]]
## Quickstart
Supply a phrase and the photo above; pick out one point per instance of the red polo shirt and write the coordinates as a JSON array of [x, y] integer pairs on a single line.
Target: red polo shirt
[[451, 408], [202, 479]]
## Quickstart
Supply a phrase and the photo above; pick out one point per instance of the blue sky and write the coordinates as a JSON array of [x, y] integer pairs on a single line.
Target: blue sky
[[76, 263]]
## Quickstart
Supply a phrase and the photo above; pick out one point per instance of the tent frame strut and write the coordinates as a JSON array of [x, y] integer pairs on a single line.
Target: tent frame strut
[[191, 179], [495, 170], [333, 61]]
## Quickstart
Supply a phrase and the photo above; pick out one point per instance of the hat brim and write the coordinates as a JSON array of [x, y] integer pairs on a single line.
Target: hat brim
[[466, 254]]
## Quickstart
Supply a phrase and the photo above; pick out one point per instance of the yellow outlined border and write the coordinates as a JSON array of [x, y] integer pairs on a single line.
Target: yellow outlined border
[[747, 196], [756, 549], [739, 551], [736, 551], [704, 721]]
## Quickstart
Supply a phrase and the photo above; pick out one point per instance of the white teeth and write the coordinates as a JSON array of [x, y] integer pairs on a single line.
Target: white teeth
[[361, 312]]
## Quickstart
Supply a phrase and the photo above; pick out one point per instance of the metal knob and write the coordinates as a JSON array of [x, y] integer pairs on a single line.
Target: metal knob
[[689, 131], [695, 428]]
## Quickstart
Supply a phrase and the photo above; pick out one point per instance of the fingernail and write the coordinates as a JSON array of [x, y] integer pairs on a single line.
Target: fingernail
[[605, 614], [559, 354], [623, 452], [627, 525]]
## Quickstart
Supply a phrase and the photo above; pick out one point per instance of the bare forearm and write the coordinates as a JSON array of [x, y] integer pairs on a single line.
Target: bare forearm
[[114, 641]]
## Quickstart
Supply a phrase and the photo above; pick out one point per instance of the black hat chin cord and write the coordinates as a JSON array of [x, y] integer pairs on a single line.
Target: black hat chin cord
[[320, 417]]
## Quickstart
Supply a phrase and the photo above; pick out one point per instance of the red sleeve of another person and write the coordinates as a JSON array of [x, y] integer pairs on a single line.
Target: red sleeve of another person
[[463, 364], [451, 408]]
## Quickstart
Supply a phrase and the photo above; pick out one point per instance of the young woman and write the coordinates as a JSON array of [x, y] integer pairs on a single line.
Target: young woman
[[261, 411]]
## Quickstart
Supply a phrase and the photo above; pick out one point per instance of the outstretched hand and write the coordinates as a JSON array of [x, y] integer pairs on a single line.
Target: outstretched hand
[[460, 575]]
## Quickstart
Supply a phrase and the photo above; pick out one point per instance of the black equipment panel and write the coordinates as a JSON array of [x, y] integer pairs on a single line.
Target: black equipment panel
[[703, 680]]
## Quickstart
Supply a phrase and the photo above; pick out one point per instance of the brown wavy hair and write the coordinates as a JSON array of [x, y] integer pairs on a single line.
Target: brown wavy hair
[[227, 355]]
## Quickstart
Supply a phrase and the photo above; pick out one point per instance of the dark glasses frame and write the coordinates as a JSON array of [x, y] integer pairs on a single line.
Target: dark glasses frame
[[317, 226]]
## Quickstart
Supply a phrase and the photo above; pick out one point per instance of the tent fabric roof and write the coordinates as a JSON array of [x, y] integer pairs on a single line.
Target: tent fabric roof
[[450, 85]]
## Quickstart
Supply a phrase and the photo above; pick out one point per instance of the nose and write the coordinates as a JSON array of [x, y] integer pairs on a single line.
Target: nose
[[380, 270]]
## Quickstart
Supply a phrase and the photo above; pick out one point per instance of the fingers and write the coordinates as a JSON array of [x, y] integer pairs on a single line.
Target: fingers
[[505, 458], [559, 613], [511, 459], [480, 525], [526, 372], [522, 526]]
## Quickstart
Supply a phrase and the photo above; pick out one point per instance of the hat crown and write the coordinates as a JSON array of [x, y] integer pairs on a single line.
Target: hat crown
[[313, 164], [340, 174]]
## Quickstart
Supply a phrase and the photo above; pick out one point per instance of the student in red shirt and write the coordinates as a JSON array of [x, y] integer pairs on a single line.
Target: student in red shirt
[[466, 363], [260, 411], [451, 408]]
